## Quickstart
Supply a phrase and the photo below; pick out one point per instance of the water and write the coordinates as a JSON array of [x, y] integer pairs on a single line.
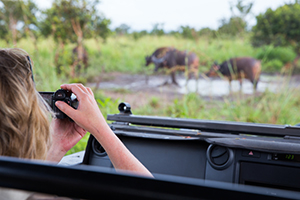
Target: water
[[204, 86], [219, 87]]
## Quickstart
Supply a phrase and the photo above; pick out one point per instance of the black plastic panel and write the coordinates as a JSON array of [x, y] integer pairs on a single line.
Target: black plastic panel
[[188, 158], [276, 176], [172, 157], [88, 182]]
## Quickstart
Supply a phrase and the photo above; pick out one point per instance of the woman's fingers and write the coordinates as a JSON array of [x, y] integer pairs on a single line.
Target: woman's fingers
[[88, 114], [77, 89], [74, 88], [65, 108]]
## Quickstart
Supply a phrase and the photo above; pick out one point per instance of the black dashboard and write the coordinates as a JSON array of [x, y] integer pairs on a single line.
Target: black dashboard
[[189, 158], [243, 153]]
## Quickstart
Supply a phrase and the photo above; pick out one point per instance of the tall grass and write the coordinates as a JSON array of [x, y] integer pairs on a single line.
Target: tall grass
[[267, 108], [124, 54]]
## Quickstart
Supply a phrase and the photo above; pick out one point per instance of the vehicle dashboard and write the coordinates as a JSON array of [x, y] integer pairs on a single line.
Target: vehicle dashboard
[[255, 157]]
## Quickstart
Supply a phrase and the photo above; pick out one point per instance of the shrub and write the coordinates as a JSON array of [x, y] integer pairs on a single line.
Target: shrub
[[269, 52], [274, 58], [272, 66]]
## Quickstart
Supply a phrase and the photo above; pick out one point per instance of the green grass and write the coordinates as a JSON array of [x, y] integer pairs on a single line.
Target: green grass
[[126, 55], [123, 54], [267, 108]]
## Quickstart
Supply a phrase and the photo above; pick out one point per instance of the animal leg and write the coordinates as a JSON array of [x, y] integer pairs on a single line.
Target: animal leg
[[197, 83], [255, 82], [173, 78], [164, 83], [229, 86], [241, 84]]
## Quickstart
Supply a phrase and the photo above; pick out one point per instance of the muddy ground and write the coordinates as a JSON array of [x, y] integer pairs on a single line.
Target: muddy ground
[[138, 89]]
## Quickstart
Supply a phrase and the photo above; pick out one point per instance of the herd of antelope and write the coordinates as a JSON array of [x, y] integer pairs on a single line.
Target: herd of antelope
[[233, 69]]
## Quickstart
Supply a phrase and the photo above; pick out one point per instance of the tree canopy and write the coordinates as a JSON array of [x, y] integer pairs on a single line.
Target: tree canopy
[[13, 13], [278, 27]]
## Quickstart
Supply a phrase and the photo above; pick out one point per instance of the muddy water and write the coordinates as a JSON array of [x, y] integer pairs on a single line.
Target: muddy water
[[204, 86], [221, 87]]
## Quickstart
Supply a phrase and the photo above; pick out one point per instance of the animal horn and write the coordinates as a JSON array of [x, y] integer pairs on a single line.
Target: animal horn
[[157, 60]]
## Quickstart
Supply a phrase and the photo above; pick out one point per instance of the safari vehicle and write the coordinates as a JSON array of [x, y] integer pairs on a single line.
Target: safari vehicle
[[189, 158]]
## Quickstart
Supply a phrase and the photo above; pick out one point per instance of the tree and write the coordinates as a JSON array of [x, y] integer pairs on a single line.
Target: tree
[[18, 13], [158, 29], [100, 27], [122, 29], [71, 20], [279, 27], [4, 29], [137, 35], [189, 32], [207, 32], [30, 28], [53, 24], [79, 13], [243, 10], [11, 14], [237, 23], [234, 26]]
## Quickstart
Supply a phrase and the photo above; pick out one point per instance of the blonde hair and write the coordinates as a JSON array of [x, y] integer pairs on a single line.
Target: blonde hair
[[24, 122]]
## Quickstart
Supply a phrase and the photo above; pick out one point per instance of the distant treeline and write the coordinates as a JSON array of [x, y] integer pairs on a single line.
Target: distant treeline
[[74, 21]]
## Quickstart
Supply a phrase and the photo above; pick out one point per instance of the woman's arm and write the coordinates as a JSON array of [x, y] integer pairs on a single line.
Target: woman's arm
[[89, 117]]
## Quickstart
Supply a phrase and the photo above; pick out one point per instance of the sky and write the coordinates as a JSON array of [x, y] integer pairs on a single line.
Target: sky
[[144, 14]]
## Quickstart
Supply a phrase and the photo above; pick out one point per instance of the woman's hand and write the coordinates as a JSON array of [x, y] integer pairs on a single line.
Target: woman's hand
[[88, 114], [66, 134]]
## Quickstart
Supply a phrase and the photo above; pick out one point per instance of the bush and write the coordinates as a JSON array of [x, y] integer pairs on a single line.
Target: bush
[[274, 58], [279, 27], [283, 54], [233, 27], [272, 66]]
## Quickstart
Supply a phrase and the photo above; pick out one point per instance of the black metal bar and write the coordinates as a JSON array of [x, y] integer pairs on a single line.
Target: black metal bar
[[91, 182], [209, 125], [142, 130]]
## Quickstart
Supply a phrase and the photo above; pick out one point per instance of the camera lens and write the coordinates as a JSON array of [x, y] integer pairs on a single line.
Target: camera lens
[[60, 95]]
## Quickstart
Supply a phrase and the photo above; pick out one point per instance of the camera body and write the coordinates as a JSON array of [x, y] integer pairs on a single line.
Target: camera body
[[60, 95]]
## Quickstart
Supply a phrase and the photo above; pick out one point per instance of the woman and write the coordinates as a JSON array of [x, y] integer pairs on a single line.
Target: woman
[[26, 128]]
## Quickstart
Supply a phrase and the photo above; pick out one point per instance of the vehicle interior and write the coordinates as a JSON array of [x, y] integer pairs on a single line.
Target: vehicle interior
[[190, 159]]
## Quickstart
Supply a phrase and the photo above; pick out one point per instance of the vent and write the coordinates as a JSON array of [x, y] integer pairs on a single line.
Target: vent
[[219, 157], [97, 148]]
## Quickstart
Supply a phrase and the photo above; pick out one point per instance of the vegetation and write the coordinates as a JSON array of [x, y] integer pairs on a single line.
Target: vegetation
[[75, 23], [279, 27], [51, 38]]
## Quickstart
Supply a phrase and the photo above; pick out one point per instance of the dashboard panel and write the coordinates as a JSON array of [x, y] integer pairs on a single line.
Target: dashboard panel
[[252, 154], [201, 160]]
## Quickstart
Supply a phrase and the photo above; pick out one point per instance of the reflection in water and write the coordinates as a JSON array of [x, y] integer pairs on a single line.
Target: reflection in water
[[219, 87], [205, 87]]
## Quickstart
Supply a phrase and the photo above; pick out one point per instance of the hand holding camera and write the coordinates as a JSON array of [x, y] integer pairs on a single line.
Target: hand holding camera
[[60, 95], [88, 117]]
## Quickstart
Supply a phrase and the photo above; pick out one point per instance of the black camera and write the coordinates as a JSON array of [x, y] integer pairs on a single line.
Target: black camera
[[60, 95]]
